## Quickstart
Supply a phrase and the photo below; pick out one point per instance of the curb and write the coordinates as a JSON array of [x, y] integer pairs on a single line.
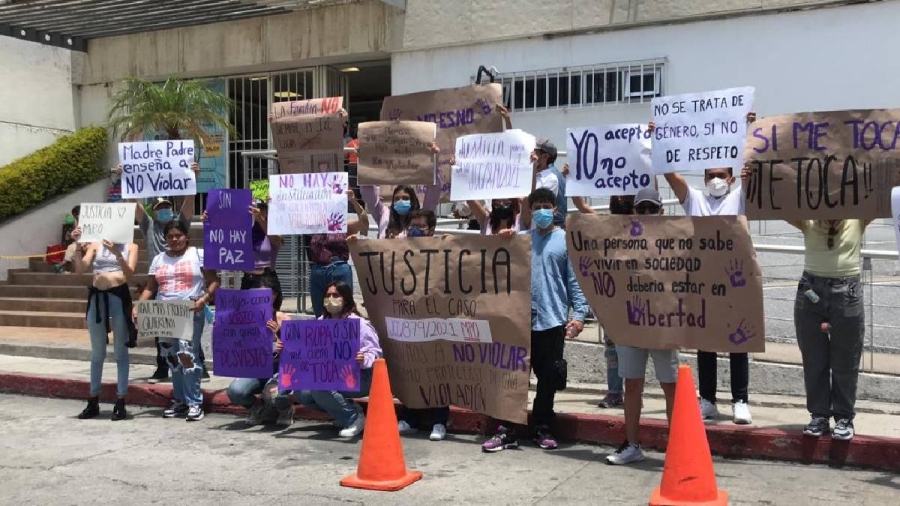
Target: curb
[[873, 452]]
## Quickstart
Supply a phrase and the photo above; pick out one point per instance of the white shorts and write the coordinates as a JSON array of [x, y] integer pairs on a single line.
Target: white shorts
[[633, 363]]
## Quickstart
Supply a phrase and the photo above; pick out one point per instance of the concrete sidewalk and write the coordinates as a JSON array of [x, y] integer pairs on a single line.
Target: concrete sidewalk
[[775, 433]]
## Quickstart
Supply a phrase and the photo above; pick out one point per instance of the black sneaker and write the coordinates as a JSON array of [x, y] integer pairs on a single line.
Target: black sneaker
[[119, 412], [92, 409], [176, 409], [818, 426], [162, 373], [843, 430], [205, 375], [502, 440]]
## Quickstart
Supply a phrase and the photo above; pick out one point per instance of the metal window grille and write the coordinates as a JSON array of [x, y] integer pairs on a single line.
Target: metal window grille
[[587, 86]]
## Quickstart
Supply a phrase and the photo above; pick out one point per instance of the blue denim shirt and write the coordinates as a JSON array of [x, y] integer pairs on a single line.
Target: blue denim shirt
[[553, 285]]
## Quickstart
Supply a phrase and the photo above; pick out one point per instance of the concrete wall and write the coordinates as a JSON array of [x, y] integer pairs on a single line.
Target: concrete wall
[[439, 23], [795, 63], [32, 232], [36, 96]]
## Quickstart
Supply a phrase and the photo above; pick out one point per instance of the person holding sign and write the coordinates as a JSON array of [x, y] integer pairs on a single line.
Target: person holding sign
[[718, 201], [178, 274], [339, 303], [109, 298], [554, 289], [546, 175]]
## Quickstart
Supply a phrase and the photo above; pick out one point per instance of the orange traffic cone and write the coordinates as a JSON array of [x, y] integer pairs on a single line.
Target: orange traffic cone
[[381, 462], [688, 476]]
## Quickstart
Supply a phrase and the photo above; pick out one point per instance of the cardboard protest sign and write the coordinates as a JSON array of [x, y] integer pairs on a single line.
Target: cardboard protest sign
[[170, 319], [671, 282], [241, 342], [456, 111], [111, 222], [492, 166], [308, 135], [454, 318], [308, 204], [396, 152], [320, 355], [157, 168], [699, 131], [608, 160], [228, 244], [823, 165]]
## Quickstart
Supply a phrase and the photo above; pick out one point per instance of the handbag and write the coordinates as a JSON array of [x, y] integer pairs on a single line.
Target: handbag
[[56, 254]]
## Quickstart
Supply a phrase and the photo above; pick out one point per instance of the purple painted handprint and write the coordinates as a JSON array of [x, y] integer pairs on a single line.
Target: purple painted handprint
[[335, 222], [636, 228], [584, 266], [741, 335], [635, 308], [485, 107], [735, 272], [286, 376], [394, 114], [337, 186]]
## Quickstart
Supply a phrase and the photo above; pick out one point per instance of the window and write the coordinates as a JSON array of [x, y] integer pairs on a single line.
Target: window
[[617, 83]]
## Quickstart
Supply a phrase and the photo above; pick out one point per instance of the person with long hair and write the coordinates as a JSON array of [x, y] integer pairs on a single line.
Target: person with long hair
[[109, 299], [349, 416], [504, 214], [178, 274]]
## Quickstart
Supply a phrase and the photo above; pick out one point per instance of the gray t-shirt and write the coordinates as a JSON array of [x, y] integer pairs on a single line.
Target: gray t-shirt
[[156, 241]]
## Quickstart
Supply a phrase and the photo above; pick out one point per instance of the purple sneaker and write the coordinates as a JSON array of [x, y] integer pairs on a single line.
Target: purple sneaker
[[502, 440], [545, 439]]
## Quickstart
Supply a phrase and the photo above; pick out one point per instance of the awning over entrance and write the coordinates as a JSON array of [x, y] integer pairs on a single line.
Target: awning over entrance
[[70, 23]]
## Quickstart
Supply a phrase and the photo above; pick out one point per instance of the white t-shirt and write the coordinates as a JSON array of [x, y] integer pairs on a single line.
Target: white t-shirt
[[179, 278], [547, 179], [698, 203]]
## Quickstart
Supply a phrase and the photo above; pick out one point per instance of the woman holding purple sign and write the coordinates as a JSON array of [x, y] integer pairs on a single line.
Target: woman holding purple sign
[[339, 303]]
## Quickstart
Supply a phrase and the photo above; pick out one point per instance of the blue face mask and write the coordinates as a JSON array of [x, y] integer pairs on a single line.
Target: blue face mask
[[415, 232], [165, 215], [543, 218], [402, 207]]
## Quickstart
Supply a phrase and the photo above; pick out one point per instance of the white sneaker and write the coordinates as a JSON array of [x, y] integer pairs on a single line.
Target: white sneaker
[[742, 413], [355, 428], [708, 410], [404, 428], [626, 454], [438, 432]]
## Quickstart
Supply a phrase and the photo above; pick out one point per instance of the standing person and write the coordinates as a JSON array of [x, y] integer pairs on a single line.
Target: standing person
[[244, 391], [69, 258], [152, 227], [109, 298], [339, 303], [422, 223], [178, 274], [504, 214], [329, 255], [632, 365], [554, 289], [546, 175]]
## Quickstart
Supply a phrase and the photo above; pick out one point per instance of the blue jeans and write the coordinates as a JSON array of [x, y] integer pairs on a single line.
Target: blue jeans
[[337, 403], [98, 335], [244, 392], [613, 380], [320, 276], [183, 359]]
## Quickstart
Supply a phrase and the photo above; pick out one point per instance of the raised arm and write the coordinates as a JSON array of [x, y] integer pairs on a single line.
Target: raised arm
[[361, 225], [187, 207], [83, 258], [504, 112], [583, 206], [478, 211]]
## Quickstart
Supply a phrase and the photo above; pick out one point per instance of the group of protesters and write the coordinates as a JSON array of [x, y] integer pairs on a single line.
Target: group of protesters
[[828, 294]]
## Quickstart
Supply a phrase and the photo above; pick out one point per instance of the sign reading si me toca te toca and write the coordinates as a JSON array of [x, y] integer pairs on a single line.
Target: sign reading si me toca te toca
[[608, 160], [671, 282], [454, 317], [157, 169], [823, 165]]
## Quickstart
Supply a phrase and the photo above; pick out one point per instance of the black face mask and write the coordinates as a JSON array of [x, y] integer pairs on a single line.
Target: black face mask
[[502, 212]]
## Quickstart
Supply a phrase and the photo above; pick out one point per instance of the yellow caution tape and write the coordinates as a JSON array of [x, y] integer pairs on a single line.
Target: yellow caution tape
[[24, 257]]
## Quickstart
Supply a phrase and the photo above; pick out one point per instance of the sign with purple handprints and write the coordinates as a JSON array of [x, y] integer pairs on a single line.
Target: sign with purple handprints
[[671, 282], [608, 160], [320, 355], [242, 342], [228, 242], [308, 204], [492, 166]]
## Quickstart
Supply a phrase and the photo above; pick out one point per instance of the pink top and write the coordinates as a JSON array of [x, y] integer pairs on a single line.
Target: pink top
[[381, 211]]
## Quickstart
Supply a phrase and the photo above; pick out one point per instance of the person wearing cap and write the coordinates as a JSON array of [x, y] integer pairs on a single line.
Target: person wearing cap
[[546, 175], [633, 364]]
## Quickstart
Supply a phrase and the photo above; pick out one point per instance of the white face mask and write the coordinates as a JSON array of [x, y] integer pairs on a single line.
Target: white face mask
[[333, 306], [717, 187]]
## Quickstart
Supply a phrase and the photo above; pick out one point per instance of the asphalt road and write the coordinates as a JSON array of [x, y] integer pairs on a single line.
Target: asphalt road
[[47, 457]]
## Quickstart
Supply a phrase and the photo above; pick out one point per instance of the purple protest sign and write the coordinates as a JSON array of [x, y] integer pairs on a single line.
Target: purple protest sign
[[242, 345], [228, 242], [320, 355]]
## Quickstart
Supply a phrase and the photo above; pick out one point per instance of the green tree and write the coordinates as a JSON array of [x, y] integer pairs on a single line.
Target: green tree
[[179, 109]]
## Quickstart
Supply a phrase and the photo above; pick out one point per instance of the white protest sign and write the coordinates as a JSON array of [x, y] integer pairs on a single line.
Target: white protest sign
[[157, 168], [492, 166], [111, 222], [310, 203], [608, 160], [165, 319], [699, 131], [895, 212]]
